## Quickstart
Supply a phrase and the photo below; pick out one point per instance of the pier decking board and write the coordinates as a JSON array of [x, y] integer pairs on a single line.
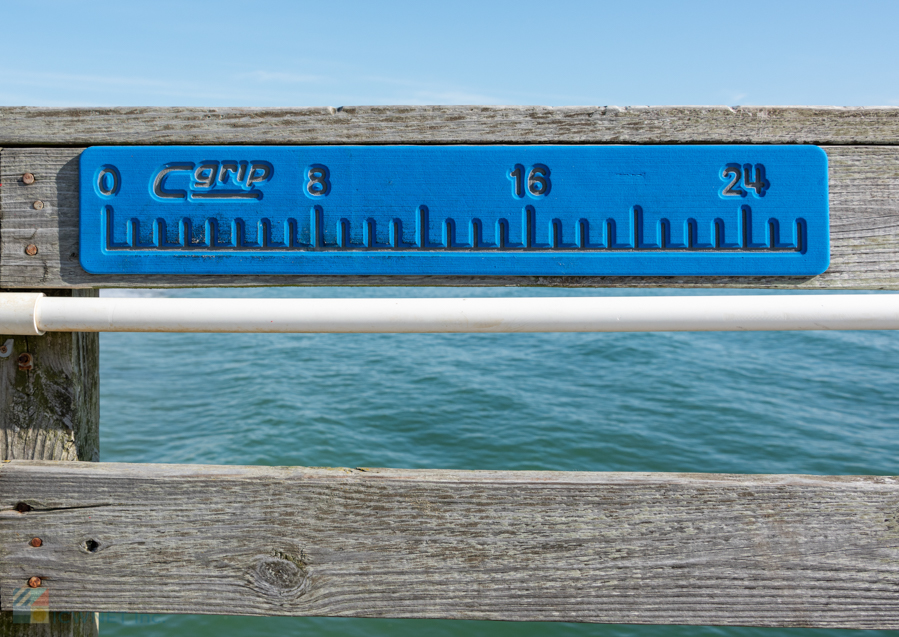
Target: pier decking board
[[751, 550]]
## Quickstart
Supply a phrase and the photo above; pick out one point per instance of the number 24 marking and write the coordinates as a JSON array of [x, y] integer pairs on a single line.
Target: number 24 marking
[[758, 183]]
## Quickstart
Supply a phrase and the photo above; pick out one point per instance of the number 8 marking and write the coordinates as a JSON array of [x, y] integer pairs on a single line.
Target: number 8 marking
[[318, 182]]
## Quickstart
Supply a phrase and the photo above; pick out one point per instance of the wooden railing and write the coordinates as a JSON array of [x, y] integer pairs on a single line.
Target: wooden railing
[[634, 548]]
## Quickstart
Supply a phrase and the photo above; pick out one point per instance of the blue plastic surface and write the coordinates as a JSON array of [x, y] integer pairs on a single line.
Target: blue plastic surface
[[473, 210]]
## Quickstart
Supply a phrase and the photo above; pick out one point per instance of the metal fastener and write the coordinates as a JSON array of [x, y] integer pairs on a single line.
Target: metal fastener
[[36, 542], [31, 249], [38, 205], [6, 348], [28, 179], [34, 582], [26, 362]]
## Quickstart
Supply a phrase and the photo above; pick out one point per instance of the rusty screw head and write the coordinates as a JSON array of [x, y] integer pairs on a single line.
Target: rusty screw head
[[31, 249], [38, 205], [34, 582], [36, 542], [3, 349], [26, 361], [28, 179]]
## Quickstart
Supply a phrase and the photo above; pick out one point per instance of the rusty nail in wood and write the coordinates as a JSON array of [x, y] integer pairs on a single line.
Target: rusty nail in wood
[[38, 205], [36, 542], [34, 582], [31, 249], [28, 178], [26, 362]]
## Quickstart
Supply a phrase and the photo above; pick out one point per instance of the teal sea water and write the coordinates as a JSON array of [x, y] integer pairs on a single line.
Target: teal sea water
[[776, 402]]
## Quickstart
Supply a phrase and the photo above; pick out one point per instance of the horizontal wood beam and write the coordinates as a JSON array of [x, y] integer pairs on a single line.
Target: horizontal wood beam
[[751, 550], [864, 217], [29, 126]]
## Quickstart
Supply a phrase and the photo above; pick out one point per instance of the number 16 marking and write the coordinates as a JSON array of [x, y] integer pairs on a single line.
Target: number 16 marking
[[538, 183]]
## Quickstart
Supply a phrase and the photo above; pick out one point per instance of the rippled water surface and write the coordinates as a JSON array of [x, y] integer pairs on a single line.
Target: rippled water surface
[[777, 402]]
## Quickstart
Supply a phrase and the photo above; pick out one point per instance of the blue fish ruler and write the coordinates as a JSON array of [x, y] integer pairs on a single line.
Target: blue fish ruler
[[472, 210]]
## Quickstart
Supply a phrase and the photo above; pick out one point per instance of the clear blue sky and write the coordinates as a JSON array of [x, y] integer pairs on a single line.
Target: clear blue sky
[[380, 52]]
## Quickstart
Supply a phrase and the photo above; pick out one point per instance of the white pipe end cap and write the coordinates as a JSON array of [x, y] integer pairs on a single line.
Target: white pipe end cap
[[19, 313]]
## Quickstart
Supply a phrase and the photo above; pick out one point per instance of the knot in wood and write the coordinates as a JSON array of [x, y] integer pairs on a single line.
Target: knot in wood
[[279, 575]]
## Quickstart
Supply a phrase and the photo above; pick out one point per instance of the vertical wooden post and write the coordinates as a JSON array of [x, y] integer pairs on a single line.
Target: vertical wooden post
[[50, 410]]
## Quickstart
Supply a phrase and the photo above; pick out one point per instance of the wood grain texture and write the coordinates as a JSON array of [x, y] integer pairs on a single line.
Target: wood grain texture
[[864, 195], [591, 547], [29, 126], [51, 412]]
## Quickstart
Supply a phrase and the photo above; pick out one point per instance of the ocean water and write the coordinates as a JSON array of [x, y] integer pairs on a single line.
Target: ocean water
[[767, 402]]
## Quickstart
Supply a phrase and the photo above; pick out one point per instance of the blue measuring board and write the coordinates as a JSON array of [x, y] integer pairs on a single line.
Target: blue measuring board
[[469, 210]]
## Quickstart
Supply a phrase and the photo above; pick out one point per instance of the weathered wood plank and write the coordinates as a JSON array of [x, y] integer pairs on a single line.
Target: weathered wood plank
[[596, 547], [864, 191], [50, 410], [50, 400], [24, 126]]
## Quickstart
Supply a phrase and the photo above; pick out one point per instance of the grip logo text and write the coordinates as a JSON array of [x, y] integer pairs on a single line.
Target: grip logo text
[[219, 180]]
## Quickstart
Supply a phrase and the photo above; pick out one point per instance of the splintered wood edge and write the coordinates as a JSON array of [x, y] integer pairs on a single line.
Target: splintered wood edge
[[187, 472]]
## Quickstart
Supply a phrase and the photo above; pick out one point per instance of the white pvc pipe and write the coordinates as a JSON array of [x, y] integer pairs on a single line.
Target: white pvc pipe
[[37, 314], [17, 313]]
